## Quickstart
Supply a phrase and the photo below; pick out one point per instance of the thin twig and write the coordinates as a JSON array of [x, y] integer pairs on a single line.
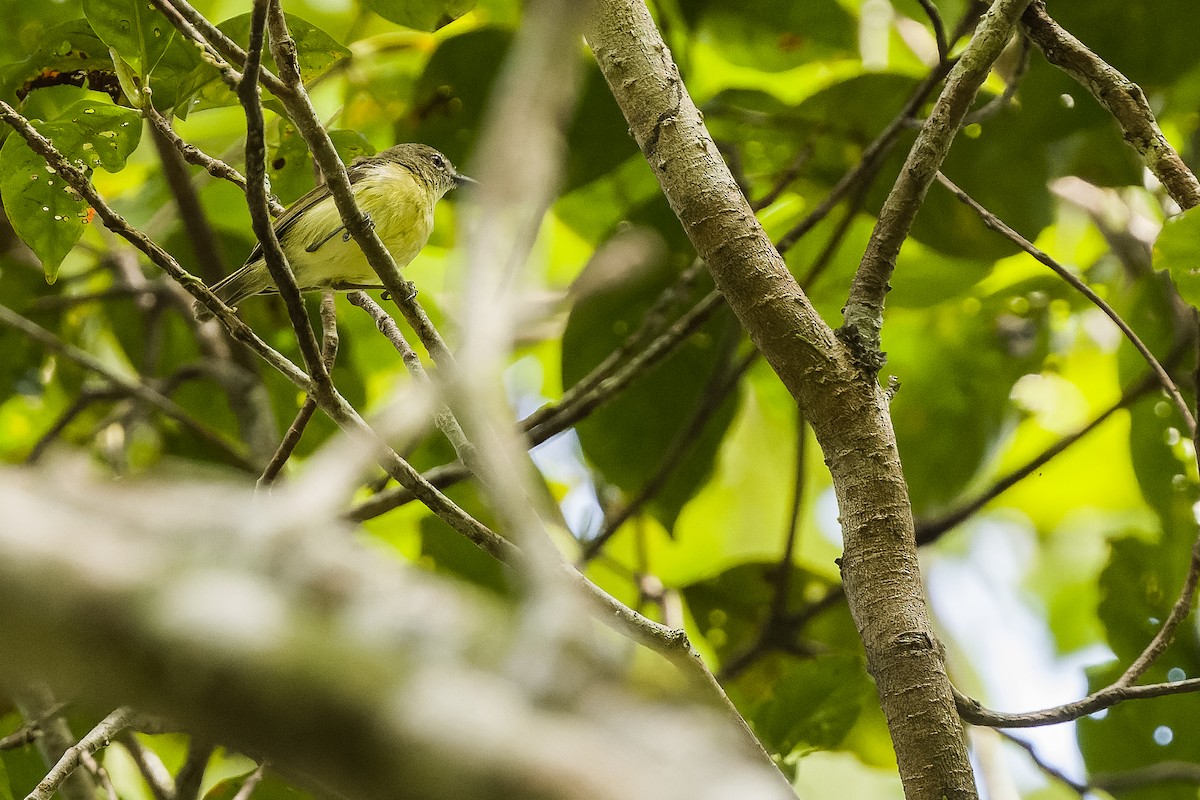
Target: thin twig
[[26, 734], [868, 164], [998, 225], [256, 197], [825, 257], [331, 402], [250, 784], [785, 566], [99, 737], [197, 157], [863, 313], [553, 419], [974, 712], [930, 530], [778, 629], [157, 255], [443, 419], [97, 770], [1123, 98], [218, 47], [939, 29], [712, 397], [191, 774], [653, 321], [329, 348], [1043, 765], [150, 766], [997, 104], [80, 404], [785, 179]]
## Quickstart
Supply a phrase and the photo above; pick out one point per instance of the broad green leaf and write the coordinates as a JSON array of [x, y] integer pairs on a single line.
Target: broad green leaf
[[1177, 250], [173, 81], [47, 214], [1139, 40], [774, 34], [69, 49], [316, 51], [290, 165], [451, 95], [271, 787], [133, 28], [598, 140], [814, 704], [426, 15], [731, 608], [956, 368], [980, 161]]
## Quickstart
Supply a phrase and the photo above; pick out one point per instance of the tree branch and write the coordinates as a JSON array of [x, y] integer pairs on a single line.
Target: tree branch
[[863, 313], [99, 737], [261, 606], [974, 712], [1122, 97], [848, 414], [996, 224]]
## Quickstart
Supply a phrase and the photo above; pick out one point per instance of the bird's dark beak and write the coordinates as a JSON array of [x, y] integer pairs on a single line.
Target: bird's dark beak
[[463, 180]]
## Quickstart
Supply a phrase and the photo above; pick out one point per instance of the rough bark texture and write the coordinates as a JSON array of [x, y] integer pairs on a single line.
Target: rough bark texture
[[848, 412], [1123, 98], [864, 308]]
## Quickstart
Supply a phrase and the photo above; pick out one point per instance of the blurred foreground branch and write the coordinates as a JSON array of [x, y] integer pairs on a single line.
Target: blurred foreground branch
[[286, 640]]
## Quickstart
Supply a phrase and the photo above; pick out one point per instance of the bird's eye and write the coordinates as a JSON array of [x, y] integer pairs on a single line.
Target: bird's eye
[[438, 162]]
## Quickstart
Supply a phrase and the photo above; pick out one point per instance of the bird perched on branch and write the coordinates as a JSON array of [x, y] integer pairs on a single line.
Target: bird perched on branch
[[396, 188]]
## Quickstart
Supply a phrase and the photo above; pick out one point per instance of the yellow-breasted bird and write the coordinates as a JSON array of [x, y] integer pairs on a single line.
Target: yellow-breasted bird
[[397, 188]]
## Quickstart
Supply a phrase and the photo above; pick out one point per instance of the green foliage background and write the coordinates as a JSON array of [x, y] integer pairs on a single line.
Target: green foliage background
[[995, 357]]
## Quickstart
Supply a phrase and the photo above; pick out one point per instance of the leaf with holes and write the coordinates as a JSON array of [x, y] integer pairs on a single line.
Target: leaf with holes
[[44, 211]]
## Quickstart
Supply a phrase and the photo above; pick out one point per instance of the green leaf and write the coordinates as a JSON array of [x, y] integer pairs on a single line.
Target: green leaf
[[271, 787], [731, 608], [598, 140], [451, 95], [425, 15], [68, 52], [5, 788], [134, 28], [955, 371], [44, 211], [289, 164], [1177, 250], [1142, 733], [1137, 39], [628, 437], [813, 704], [774, 34], [316, 52]]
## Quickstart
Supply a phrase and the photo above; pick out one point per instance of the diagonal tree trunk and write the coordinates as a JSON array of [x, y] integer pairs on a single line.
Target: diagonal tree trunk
[[844, 404]]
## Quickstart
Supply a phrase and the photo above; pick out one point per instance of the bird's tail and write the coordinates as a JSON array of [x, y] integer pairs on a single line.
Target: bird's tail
[[237, 286]]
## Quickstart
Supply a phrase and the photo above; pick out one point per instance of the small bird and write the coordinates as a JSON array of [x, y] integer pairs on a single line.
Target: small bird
[[397, 189]]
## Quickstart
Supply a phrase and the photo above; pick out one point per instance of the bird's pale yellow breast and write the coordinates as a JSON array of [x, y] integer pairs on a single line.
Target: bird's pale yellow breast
[[401, 208]]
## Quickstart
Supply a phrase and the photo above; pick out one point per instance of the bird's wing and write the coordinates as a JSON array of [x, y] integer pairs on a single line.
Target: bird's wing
[[287, 220]]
